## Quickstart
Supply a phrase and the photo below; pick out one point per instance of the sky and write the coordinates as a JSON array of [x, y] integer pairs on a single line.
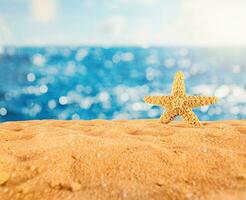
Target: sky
[[123, 22]]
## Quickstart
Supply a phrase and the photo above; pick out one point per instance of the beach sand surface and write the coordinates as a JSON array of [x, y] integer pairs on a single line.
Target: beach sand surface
[[122, 159]]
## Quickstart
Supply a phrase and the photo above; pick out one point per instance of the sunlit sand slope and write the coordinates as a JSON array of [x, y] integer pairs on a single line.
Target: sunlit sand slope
[[132, 159]]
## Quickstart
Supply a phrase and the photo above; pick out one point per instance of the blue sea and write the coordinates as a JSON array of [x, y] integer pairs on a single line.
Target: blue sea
[[110, 83]]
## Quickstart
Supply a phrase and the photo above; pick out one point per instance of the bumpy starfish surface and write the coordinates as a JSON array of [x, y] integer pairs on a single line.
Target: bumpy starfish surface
[[178, 103]]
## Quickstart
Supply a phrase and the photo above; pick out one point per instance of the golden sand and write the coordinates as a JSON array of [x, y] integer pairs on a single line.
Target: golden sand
[[131, 159]]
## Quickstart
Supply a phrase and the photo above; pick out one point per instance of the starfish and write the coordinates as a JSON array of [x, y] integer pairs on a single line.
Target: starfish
[[178, 103]]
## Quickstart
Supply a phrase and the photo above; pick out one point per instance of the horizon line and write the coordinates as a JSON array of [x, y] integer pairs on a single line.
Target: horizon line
[[122, 45]]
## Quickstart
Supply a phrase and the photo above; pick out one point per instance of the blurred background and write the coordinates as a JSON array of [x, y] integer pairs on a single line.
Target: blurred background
[[87, 59]]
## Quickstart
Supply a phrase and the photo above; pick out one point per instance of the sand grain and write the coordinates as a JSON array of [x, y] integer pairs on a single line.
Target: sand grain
[[137, 159]]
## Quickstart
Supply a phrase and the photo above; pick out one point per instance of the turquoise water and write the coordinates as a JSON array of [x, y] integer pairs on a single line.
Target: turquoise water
[[110, 83]]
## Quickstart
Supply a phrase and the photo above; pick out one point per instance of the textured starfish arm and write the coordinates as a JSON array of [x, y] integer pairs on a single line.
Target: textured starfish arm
[[158, 100], [195, 101], [191, 117], [168, 116], [178, 87]]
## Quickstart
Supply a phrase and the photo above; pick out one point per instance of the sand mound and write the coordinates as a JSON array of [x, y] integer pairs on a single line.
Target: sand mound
[[137, 159]]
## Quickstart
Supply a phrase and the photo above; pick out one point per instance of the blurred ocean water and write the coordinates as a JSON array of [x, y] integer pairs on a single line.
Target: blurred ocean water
[[110, 83]]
